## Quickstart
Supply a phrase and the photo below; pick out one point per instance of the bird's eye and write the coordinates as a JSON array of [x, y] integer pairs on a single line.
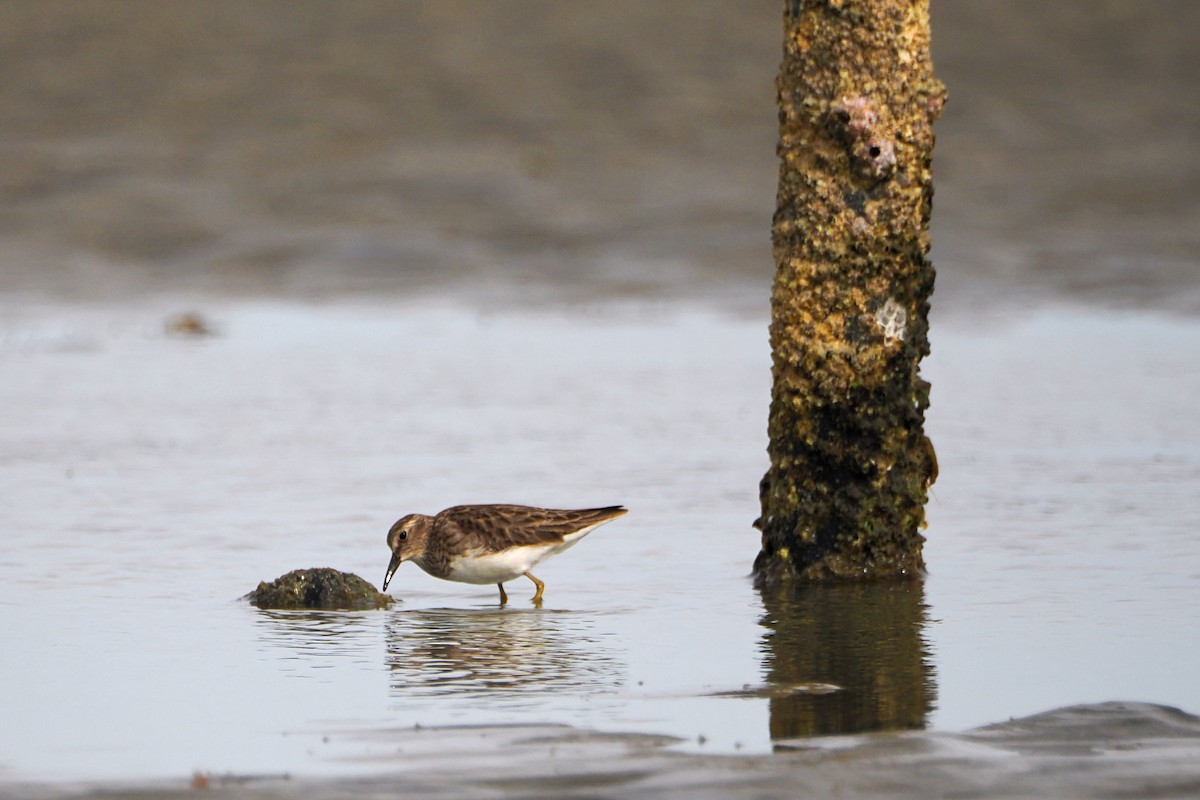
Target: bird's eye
[[403, 535]]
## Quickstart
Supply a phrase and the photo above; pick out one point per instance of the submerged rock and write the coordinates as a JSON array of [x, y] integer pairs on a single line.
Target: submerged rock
[[189, 324], [320, 587]]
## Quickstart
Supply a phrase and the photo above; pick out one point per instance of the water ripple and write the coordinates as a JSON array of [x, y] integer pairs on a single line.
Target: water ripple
[[498, 654]]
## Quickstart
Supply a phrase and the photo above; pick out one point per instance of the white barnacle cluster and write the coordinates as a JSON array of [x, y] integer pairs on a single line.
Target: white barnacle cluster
[[892, 320]]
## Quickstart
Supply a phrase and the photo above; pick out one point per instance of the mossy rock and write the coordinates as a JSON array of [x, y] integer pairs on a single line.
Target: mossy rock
[[320, 587]]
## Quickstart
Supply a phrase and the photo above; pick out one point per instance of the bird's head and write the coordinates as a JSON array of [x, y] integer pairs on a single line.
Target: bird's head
[[407, 540]]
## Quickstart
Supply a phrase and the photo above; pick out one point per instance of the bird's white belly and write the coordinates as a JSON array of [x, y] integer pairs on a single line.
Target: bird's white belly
[[498, 567], [501, 567]]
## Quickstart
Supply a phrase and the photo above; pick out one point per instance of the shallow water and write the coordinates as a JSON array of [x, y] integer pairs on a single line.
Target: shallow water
[[151, 480]]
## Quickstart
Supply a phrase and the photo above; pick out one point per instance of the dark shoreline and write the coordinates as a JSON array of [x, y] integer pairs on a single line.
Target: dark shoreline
[[522, 150]]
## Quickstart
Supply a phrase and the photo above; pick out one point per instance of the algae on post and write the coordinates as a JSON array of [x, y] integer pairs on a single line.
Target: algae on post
[[850, 463]]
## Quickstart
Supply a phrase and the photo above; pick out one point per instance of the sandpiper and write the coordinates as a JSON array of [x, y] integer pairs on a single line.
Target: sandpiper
[[490, 543]]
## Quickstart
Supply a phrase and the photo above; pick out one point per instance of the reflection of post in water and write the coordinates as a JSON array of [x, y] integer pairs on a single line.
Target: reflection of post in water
[[866, 638], [463, 652]]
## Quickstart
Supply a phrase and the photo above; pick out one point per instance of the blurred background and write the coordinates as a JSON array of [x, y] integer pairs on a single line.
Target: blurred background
[[413, 167], [531, 150]]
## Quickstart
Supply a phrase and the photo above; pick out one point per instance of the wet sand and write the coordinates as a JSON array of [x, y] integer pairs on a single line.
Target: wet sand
[[1106, 750], [521, 151]]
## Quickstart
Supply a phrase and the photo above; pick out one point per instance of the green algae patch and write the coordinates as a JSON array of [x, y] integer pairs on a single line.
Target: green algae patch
[[321, 588]]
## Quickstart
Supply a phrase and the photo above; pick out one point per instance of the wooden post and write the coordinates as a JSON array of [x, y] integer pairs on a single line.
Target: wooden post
[[850, 464]]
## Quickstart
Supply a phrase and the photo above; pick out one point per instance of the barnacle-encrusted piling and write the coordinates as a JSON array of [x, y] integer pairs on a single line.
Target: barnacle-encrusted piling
[[850, 463]]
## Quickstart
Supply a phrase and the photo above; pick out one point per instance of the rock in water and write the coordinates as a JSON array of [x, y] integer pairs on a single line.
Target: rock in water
[[320, 587]]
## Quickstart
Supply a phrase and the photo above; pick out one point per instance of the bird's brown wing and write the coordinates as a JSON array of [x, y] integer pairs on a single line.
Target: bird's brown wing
[[499, 527]]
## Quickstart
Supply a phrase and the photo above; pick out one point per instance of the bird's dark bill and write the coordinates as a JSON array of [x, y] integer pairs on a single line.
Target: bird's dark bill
[[391, 570]]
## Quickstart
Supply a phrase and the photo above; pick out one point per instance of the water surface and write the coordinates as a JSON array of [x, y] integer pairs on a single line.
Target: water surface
[[150, 480]]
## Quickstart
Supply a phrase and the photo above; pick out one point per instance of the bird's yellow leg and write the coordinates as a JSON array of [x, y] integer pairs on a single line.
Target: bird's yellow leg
[[537, 596], [503, 595]]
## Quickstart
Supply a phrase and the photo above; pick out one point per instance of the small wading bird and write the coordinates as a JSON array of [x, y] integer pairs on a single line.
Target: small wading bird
[[490, 543]]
